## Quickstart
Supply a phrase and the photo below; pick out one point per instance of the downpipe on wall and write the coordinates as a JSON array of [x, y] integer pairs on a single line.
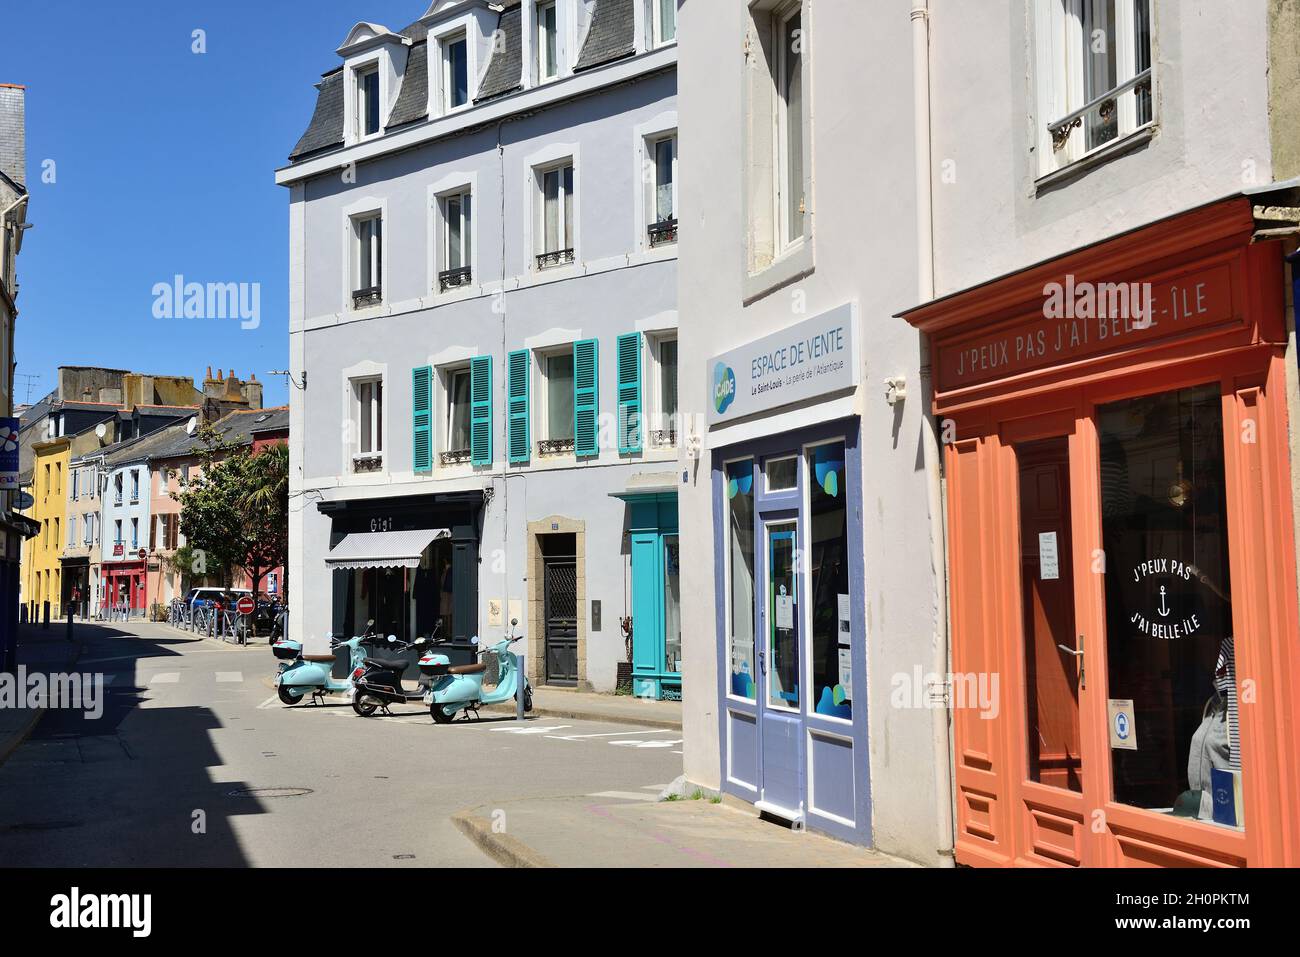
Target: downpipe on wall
[[934, 482]]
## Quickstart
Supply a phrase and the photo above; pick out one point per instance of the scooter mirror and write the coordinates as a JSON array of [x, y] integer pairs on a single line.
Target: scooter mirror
[[392, 637], [514, 622], [474, 640]]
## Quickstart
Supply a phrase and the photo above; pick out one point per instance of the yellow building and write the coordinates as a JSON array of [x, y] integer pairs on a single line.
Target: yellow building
[[42, 573]]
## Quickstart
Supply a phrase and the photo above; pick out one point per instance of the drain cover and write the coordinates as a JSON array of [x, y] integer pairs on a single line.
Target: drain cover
[[268, 792]]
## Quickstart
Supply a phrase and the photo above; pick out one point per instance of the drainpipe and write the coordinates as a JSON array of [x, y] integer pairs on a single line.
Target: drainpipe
[[934, 487]]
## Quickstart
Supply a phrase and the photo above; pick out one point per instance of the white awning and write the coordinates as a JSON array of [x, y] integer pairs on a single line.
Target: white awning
[[383, 549]]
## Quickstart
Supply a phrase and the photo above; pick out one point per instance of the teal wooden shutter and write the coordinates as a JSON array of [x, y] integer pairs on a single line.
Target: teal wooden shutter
[[629, 392], [586, 397], [517, 364], [422, 418], [480, 403]]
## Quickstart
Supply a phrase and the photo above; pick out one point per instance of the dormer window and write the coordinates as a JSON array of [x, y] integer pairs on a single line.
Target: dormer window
[[455, 72], [367, 116], [664, 15], [548, 61]]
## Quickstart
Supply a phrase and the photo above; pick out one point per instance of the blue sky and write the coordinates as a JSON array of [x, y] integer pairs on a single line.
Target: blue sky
[[164, 163]]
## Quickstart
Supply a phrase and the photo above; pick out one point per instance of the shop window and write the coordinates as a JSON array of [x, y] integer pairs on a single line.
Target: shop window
[[672, 605], [1095, 78], [783, 615], [828, 543], [739, 487], [782, 474], [406, 602], [1169, 636]]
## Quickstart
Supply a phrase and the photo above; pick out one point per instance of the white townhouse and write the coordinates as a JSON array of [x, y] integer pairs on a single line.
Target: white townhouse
[[483, 337]]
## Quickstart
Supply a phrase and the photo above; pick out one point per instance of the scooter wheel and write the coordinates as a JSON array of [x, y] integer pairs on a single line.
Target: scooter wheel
[[364, 706], [288, 697], [440, 715]]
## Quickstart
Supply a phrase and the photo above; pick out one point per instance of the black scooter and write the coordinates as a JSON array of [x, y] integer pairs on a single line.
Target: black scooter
[[380, 684]]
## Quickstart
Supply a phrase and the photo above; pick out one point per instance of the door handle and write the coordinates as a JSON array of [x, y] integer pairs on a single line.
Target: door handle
[[762, 662], [1078, 653]]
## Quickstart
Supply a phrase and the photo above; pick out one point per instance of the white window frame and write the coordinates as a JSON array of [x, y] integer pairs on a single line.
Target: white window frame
[[375, 252], [784, 241], [564, 224], [466, 251], [135, 533], [447, 376], [539, 41], [653, 393], [445, 43], [542, 420], [1060, 82], [652, 176], [656, 25], [358, 72], [368, 403]]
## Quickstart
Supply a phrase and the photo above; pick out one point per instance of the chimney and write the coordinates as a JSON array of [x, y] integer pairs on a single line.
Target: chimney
[[13, 132]]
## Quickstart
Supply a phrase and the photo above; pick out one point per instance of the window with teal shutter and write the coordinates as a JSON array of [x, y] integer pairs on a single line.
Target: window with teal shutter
[[517, 364], [422, 418], [629, 392], [480, 397], [586, 398]]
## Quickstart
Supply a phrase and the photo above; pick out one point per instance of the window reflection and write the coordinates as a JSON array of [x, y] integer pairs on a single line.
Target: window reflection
[[1172, 682]]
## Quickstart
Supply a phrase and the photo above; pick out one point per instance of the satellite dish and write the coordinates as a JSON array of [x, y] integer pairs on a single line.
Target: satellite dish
[[101, 430], [191, 425]]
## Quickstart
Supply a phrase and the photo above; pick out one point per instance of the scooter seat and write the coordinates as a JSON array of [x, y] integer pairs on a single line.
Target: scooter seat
[[324, 658], [475, 669], [395, 664]]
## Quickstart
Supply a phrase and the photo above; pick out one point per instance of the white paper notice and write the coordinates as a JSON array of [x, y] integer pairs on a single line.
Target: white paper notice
[[784, 612], [1049, 565], [846, 672]]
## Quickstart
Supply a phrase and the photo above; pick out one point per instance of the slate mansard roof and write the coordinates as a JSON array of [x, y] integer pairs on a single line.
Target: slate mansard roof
[[611, 36]]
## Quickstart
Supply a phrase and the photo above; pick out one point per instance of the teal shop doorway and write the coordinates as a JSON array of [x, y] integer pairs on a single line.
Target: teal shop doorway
[[656, 593]]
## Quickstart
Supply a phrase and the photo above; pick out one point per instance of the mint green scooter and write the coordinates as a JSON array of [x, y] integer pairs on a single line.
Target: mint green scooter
[[454, 688]]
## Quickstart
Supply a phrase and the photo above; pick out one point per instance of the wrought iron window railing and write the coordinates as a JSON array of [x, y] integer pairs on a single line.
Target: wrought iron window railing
[[555, 446], [559, 257], [455, 278], [368, 462], [663, 438], [370, 296], [662, 233], [455, 457], [1104, 105]]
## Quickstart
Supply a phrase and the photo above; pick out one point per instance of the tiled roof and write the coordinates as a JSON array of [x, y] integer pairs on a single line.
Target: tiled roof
[[413, 99], [612, 35], [326, 128], [505, 70]]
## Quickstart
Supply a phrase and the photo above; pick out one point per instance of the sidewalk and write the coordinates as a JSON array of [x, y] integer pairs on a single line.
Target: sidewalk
[[595, 832], [562, 703], [39, 650]]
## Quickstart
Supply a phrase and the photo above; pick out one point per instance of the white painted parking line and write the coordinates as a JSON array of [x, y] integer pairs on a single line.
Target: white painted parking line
[[270, 702], [614, 734], [622, 795], [558, 727], [165, 678], [230, 677], [645, 744]]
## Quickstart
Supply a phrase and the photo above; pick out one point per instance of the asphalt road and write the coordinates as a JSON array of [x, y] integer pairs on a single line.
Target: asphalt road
[[196, 763]]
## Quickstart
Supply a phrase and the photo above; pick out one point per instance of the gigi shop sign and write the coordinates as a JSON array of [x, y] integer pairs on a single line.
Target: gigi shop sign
[[806, 361]]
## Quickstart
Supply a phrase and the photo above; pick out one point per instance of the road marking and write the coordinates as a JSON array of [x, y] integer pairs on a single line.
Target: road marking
[[558, 727], [269, 702], [231, 677], [645, 744], [614, 734], [622, 795], [165, 678]]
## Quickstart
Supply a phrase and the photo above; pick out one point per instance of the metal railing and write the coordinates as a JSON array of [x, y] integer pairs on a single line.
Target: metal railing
[[662, 233], [455, 456], [455, 278], [555, 446], [370, 296], [558, 257]]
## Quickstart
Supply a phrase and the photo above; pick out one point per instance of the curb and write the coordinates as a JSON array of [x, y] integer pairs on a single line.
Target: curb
[[577, 714], [505, 850]]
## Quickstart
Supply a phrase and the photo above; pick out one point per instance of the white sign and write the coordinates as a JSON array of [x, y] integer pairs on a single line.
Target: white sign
[[1049, 563], [784, 612], [494, 612], [805, 361], [846, 672], [1123, 730]]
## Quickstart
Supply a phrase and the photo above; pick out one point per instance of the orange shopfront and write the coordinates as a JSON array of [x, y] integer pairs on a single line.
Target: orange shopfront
[[1121, 552]]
